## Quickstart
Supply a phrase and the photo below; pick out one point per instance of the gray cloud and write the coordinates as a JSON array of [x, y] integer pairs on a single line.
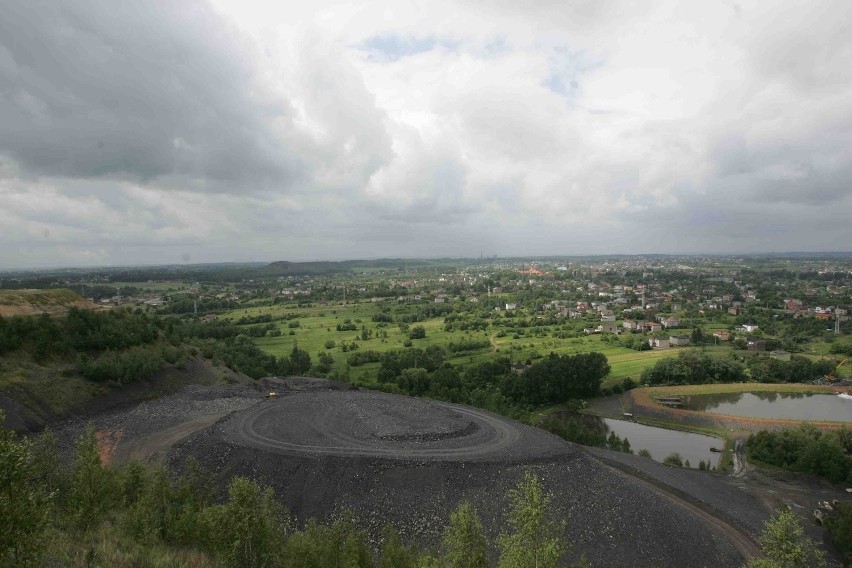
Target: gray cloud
[[140, 91], [157, 131]]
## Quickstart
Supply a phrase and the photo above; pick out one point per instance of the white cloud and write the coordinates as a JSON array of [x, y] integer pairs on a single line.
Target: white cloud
[[328, 129]]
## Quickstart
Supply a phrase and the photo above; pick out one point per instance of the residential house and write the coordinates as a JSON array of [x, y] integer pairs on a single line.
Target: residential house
[[678, 340], [671, 322], [630, 325], [659, 342], [511, 306], [722, 335], [650, 326], [755, 344], [608, 327]]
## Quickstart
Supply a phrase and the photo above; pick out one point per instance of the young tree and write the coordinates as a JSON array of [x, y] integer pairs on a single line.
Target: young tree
[[785, 547], [25, 504], [247, 530], [93, 486], [394, 553], [300, 360], [535, 541], [464, 540]]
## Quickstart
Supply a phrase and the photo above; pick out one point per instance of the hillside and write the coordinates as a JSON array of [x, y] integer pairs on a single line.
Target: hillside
[[34, 395], [34, 302]]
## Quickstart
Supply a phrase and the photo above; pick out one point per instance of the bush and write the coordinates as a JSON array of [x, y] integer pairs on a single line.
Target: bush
[[673, 459], [784, 545], [807, 449], [25, 503], [247, 529], [839, 527]]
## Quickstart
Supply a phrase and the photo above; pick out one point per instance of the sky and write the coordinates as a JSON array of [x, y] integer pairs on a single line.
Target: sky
[[162, 132]]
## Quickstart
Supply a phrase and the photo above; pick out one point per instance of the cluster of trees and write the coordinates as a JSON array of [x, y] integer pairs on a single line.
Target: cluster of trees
[[693, 368], [79, 331], [796, 370], [465, 344], [393, 362], [558, 378], [241, 354], [87, 513], [364, 357], [826, 453], [128, 365], [124, 346], [493, 384]]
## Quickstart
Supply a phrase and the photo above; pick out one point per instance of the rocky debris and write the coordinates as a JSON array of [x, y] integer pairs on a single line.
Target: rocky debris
[[148, 417], [612, 519]]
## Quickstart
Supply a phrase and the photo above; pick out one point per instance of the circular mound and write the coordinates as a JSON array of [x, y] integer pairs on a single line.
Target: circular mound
[[409, 462], [385, 426]]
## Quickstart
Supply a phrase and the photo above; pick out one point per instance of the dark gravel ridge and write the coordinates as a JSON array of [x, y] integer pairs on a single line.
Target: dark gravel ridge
[[612, 519], [705, 488]]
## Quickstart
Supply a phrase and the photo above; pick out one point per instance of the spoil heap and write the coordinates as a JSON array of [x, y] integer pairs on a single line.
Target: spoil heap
[[409, 462]]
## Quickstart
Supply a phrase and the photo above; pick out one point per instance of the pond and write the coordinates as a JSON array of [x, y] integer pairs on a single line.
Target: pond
[[660, 442], [780, 406]]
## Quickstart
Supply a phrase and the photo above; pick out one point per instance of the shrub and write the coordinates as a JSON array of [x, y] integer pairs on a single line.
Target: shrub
[[673, 459]]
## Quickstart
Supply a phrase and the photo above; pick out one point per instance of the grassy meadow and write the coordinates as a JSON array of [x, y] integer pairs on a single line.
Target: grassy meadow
[[317, 326]]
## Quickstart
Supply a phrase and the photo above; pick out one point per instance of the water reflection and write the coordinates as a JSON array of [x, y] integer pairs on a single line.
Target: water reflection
[[789, 406], [659, 442]]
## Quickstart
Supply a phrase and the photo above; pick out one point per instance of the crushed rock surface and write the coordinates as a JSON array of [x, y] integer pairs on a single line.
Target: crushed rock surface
[[612, 519]]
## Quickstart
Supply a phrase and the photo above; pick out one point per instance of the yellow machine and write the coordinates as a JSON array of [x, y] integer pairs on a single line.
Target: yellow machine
[[831, 376]]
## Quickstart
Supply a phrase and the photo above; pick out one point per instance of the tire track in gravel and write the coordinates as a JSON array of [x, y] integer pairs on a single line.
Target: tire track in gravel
[[492, 436], [338, 429], [739, 538]]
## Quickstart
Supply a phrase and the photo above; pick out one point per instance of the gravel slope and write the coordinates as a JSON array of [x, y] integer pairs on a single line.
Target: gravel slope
[[410, 462]]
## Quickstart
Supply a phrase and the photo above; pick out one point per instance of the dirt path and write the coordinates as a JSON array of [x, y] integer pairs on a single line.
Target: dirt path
[[492, 342], [740, 539], [740, 465], [152, 447]]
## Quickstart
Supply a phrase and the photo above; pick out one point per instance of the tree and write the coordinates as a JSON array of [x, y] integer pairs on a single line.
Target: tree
[[839, 528], [417, 332], [785, 547], [697, 336], [24, 503], [300, 360], [535, 541], [394, 553], [464, 540], [93, 486], [246, 531]]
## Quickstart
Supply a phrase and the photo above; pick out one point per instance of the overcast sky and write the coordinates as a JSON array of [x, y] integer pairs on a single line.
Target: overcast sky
[[196, 131]]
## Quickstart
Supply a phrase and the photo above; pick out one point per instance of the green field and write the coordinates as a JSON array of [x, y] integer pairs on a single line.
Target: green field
[[317, 326]]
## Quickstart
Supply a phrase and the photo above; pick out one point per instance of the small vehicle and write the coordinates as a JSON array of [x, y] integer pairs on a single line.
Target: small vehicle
[[271, 394]]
